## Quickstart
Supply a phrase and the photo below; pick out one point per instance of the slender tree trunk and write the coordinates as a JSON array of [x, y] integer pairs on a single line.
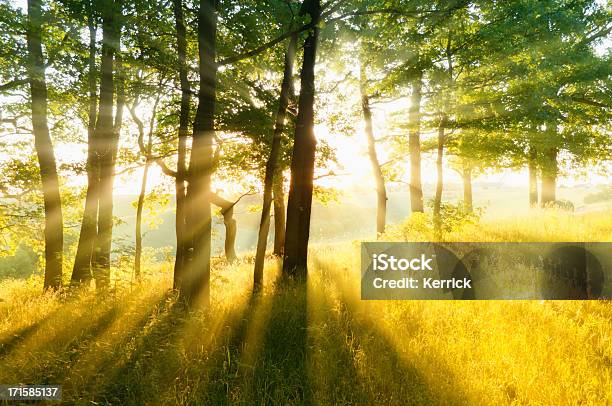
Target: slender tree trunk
[[414, 144], [467, 186], [381, 192], [106, 134], [271, 165], [81, 272], [549, 177], [139, 207], [440, 181], [54, 237], [303, 158], [279, 214], [181, 170], [147, 150], [196, 280], [533, 177], [227, 211]]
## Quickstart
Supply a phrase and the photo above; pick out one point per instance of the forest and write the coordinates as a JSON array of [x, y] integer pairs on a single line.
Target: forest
[[185, 184]]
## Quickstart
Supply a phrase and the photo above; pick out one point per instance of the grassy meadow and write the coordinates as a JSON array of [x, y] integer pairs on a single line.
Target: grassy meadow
[[314, 342]]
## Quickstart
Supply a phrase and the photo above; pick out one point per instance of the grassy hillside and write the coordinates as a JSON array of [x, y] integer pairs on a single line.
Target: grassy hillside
[[314, 342]]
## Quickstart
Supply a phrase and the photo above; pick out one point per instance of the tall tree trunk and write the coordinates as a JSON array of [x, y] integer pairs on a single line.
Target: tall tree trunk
[[196, 281], [437, 219], [81, 272], [147, 150], [303, 158], [181, 170], [271, 165], [279, 214], [549, 177], [414, 144], [227, 211], [106, 134], [533, 176], [381, 192], [139, 207], [54, 233], [467, 186]]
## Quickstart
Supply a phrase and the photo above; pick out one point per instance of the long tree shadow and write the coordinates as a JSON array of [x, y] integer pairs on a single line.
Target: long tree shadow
[[279, 366], [17, 337], [21, 335], [121, 382], [44, 364], [261, 358], [173, 357], [391, 376], [104, 351]]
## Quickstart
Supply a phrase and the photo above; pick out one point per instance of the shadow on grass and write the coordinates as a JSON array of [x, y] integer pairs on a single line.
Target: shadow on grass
[[44, 362], [392, 376], [9, 344]]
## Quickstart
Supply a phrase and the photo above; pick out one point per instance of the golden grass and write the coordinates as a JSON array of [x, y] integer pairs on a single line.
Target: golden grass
[[314, 343]]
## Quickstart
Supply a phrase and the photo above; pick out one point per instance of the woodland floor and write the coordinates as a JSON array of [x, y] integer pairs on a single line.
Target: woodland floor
[[302, 343]]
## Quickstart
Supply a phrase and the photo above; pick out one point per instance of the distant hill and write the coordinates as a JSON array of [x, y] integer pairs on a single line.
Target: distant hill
[[353, 217]]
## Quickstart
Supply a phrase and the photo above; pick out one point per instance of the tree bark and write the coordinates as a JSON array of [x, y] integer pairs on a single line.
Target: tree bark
[[303, 158], [549, 177], [54, 233], [467, 186], [414, 144], [196, 281], [106, 134], [180, 187], [81, 272], [147, 150], [381, 192], [227, 211], [139, 207], [533, 177], [437, 219], [279, 215], [271, 164]]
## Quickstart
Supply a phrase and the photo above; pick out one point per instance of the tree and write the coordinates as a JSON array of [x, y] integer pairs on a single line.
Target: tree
[[381, 192], [196, 281], [271, 166], [44, 149], [303, 158], [94, 247]]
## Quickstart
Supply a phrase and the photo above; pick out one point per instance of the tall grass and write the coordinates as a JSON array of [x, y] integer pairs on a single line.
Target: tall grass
[[314, 342]]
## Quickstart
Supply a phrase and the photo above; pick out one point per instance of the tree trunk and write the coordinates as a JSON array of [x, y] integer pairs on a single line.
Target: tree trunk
[[54, 233], [227, 211], [467, 186], [271, 165], [147, 150], [196, 280], [381, 192], [279, 215], [81, 272], [303, 158], [414, 144], [533, 177], [549, 177], [139, 207], [106, 134], [181, 170], [437, 219]]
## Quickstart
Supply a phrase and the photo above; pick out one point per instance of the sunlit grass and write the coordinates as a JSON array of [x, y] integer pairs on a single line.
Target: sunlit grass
[[314, 343]]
